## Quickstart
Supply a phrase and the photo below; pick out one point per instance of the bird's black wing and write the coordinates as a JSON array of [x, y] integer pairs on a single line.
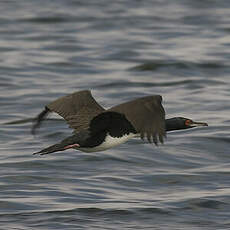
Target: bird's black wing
[[147, 116], [77, 109]]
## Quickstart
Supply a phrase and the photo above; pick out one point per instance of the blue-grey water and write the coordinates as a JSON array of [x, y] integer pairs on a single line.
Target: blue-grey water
[[120, 50]]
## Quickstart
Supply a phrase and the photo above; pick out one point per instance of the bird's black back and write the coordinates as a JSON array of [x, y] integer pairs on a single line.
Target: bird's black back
[[112, 123]]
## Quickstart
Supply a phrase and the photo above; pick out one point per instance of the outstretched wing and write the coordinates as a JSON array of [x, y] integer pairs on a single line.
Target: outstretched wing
[[77, 109], [147, 116]]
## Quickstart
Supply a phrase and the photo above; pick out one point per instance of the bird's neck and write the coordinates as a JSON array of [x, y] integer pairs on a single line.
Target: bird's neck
[[173, 124]]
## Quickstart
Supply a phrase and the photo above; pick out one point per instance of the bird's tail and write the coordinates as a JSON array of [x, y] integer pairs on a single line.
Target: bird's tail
[[51, 149], [69, 142]]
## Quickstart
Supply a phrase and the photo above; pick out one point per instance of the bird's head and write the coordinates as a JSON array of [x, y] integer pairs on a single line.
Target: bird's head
[[177, 123]]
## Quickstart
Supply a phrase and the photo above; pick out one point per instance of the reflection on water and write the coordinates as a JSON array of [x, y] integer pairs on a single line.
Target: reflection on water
[[119, 50]]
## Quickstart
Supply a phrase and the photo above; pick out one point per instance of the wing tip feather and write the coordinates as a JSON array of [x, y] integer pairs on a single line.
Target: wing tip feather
[[37, 120]]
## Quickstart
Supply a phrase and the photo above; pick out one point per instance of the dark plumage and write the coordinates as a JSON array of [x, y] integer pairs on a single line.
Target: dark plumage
[[97, 129], [147, 116]]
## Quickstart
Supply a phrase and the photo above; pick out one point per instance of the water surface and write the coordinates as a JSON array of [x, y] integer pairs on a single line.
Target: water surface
[[120, 50]]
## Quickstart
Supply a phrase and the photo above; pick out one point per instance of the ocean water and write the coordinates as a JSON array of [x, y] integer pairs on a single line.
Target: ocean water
[[120, 50]]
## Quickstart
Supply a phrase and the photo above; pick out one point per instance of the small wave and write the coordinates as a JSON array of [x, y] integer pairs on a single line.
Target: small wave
[[203, 203], [125, 84], [47, 20], [152, 66], [92, 211], [220, 139]]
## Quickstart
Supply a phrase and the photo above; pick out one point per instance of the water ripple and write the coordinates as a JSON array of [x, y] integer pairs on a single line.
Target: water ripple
[[120, 50], [153, 66]]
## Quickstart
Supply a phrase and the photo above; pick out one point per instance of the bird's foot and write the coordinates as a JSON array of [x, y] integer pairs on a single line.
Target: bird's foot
[[72, 146]]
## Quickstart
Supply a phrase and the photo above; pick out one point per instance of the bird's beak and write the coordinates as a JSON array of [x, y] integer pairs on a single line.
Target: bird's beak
[[198, 124]]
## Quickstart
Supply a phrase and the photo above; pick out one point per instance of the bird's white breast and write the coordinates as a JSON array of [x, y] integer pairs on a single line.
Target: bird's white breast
[[109, 142]]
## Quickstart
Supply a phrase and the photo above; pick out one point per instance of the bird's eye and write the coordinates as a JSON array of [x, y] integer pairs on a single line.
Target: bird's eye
[[188, 122]]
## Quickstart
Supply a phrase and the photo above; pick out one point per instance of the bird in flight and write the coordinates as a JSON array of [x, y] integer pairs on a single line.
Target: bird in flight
[[98, 129]]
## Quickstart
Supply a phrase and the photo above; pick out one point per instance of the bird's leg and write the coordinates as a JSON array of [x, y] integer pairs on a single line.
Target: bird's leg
[[72, 146]]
